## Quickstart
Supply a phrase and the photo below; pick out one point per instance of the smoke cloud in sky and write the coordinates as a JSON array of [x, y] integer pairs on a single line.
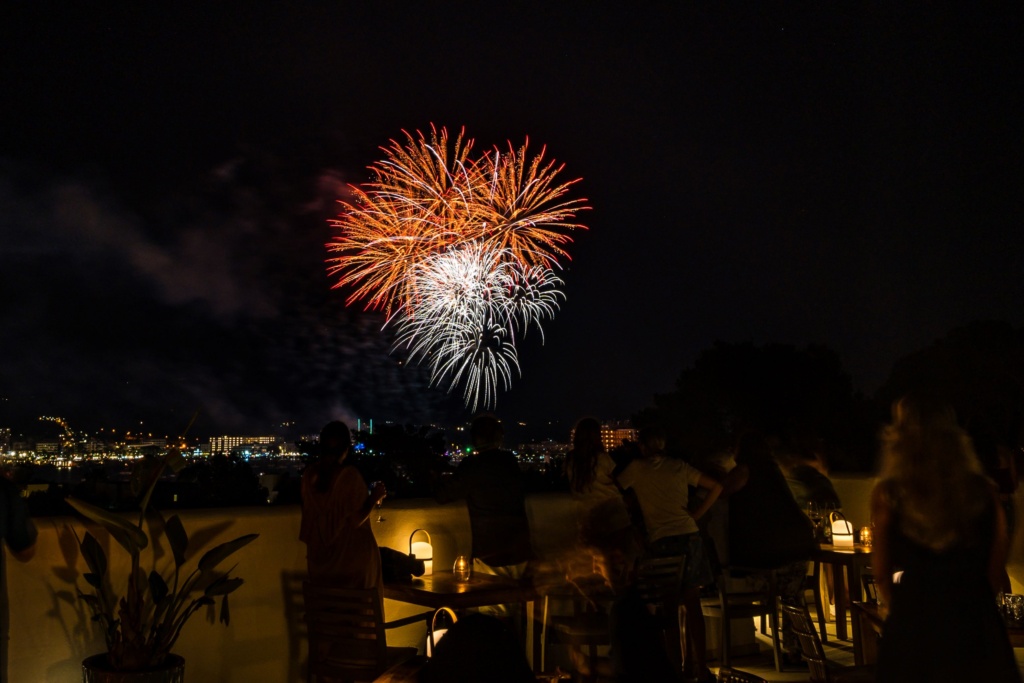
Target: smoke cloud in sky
[[217, 302], [768, 176]]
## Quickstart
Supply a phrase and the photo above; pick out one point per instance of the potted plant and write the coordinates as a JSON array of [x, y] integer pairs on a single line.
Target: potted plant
[[142, 624]]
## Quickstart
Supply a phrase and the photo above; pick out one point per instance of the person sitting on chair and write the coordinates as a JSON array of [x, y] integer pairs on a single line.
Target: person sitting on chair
[[767, 529]]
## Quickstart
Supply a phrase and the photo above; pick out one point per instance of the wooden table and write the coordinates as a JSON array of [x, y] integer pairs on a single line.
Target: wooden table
[[855, 560], [441, 589]]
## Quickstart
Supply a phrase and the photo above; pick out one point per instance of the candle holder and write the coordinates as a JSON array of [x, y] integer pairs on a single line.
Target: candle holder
[[865, 536], [462, 569]]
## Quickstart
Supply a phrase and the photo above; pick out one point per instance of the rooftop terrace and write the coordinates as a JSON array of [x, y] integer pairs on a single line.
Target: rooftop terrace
[[47, 631]]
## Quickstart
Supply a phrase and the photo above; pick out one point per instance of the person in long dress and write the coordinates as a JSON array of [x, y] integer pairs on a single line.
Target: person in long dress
[[937, 519], [340, 547]]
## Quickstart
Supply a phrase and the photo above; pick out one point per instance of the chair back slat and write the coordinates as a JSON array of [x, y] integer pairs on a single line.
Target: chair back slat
[[346, 631], [726, 675], [746, 602], [810, 643]]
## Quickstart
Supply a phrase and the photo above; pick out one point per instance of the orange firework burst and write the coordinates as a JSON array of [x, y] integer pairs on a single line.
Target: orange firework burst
[[414, 207], [428, 196], [528, 214]]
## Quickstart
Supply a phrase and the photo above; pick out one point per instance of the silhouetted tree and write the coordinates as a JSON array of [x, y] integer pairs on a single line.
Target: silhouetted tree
[[401, 456], [789, 393], [977, 368]]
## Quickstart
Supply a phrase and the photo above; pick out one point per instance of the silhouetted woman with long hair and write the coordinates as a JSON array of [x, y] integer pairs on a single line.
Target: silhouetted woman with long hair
[[937, 519], [601, 511], [340, 547]]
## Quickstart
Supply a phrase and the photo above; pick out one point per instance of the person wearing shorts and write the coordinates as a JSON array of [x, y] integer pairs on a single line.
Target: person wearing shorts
[[661, 485]]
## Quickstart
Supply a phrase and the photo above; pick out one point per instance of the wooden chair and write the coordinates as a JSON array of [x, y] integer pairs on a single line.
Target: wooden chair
[[867, 579], [730, 605], [346, 631], [586, 628], [736, 676], [821, 669], [659, 582], [812, 584]]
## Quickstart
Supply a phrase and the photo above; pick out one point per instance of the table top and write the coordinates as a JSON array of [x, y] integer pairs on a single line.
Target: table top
[[441, 589], [857, 549]]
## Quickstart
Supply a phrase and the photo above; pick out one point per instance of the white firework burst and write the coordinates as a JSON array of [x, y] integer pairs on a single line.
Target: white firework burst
[[470, 303]]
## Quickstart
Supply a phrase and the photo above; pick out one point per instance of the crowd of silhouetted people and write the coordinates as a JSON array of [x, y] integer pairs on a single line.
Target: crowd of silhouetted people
[[941, 517]]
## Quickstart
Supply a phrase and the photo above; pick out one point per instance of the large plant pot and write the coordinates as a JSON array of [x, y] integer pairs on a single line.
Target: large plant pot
[[97, 669]]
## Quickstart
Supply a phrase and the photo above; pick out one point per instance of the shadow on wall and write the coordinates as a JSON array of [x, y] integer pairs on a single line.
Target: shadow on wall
[[72, 616], [291, 590]]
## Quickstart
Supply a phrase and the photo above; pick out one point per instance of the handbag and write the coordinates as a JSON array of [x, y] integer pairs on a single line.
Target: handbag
[[396, 566], [842, 530]]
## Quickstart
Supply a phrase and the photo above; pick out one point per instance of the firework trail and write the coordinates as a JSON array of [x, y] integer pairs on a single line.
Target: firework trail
[[459, 252]]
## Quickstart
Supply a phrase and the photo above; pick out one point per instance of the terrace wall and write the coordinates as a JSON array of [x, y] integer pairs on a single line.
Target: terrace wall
[[47, 632]]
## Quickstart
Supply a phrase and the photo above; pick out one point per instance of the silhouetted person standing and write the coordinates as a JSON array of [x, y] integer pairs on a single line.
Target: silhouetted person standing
[[494, 489], [340, 547], [938, 520], [662, 487]]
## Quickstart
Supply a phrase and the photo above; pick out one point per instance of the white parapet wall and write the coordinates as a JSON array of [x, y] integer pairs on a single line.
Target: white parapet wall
[[47, 630]]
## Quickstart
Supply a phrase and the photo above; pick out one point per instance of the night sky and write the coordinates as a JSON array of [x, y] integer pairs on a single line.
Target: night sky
[[837, 173]]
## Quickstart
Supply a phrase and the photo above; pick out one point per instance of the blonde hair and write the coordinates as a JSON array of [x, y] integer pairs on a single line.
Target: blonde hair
[[931, 473]]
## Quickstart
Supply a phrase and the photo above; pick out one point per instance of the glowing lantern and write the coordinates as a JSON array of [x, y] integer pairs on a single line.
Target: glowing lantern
[[436, 633], [842, 531], [422, 550]]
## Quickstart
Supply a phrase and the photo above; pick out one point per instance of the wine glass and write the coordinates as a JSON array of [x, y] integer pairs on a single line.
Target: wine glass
[[380, 503], [826, 519], [815, 513]]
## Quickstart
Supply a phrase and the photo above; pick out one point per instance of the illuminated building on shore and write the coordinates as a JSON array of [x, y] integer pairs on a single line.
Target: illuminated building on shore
[[47, 448], [223, 445], [614, 433], [139, 446]]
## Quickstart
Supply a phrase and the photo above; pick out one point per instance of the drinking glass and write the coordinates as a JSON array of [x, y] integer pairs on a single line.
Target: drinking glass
[[1015, 610], [380, 503], [462, 569], [826, 521], [814, 512]]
